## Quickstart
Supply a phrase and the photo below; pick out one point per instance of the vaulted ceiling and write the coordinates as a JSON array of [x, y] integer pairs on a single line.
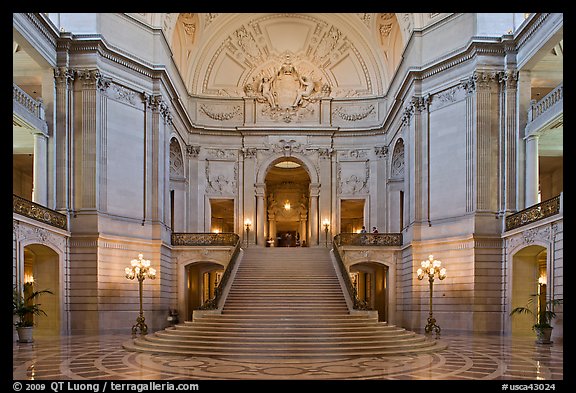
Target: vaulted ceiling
[[224, 54]]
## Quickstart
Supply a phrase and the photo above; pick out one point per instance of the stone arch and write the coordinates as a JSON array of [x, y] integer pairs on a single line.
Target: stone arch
[[44, 265], [397, 162], [396, 211], [176, 159], [300, 158], [201, 279], [527, 264], [177, 184]]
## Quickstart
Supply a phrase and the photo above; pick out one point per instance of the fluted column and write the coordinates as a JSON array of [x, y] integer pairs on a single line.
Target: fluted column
[[260, 215], [531, 170], [313, 216], [272, 228], [63, 138], [303, 231], [40, 190]]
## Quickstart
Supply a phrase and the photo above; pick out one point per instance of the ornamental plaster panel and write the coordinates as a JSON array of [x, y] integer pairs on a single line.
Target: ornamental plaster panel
[[447, 97], [221, 177], [353, 178], [27, 234], [541, 235], [219, 113]]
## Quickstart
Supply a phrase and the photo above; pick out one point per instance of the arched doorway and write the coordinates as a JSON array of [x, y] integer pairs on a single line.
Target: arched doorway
[[528, 269], [370, 280], [202, 278], [42, 267], [287, 195]]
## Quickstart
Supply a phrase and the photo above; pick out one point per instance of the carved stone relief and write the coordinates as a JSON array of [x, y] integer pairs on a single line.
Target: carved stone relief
[[29, 234], [355, 114], [176, 162], [398, 160], [352, 178], [228, 113], [541, 234], [192, 151], [221, 177], [286, 87], [448, 97]]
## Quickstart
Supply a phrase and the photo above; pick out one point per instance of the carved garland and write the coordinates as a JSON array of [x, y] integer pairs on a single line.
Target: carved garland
[[355, 116], [222, 116]]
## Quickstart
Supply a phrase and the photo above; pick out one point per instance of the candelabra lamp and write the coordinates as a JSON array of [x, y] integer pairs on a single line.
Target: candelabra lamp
[[247, 224], [326, 224], [431, 268], [140, 269]]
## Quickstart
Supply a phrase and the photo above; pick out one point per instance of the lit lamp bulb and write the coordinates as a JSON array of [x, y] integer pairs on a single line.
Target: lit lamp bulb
[[542, 280], [442, 274], [420, 273]]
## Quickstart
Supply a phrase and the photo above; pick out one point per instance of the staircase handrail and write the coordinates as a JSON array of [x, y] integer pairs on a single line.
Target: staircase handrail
[[212, 303], [357, 303]]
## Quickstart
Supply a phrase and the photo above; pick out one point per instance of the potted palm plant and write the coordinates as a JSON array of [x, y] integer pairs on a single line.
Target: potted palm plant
[[25, 307], [544, 310]]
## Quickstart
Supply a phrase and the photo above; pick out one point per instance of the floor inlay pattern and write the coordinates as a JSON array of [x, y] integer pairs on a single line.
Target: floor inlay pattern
[[468, 357]]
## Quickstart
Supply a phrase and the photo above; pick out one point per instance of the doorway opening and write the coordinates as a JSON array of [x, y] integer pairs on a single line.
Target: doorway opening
[[528, 267], [351, 215], [369, 279], [42, 268], [287, 207], [221, 215]]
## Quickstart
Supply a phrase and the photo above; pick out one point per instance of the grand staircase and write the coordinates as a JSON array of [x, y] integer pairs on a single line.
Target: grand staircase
[[285, 303]]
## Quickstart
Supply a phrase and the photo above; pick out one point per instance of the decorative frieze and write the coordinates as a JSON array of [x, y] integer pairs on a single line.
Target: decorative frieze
[[120, 93], [381, 151], [221, 116], [192, 151], [249, 152], [221, 154], [362, 114]]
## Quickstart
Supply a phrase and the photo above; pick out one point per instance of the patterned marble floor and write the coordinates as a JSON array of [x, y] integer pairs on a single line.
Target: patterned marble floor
[[468, 357]]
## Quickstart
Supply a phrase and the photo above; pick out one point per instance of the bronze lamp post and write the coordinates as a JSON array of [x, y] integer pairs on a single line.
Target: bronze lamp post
[[431, 268], [140, 269]]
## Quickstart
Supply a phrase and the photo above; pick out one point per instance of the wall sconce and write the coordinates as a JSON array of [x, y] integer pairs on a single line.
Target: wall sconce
[[247, 224], [287, 205], [430, 268], [326, 224], [140, 269]]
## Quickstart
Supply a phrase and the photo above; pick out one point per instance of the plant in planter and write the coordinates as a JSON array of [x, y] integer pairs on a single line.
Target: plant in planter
[[25, 307], [544, 316]]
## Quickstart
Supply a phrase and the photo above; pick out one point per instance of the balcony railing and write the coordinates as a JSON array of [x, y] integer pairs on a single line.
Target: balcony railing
[[204, 239], [212, 304], [35, 107], [38, 212], [368, 239], [539, 107], [534, 213], [357, 303]]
